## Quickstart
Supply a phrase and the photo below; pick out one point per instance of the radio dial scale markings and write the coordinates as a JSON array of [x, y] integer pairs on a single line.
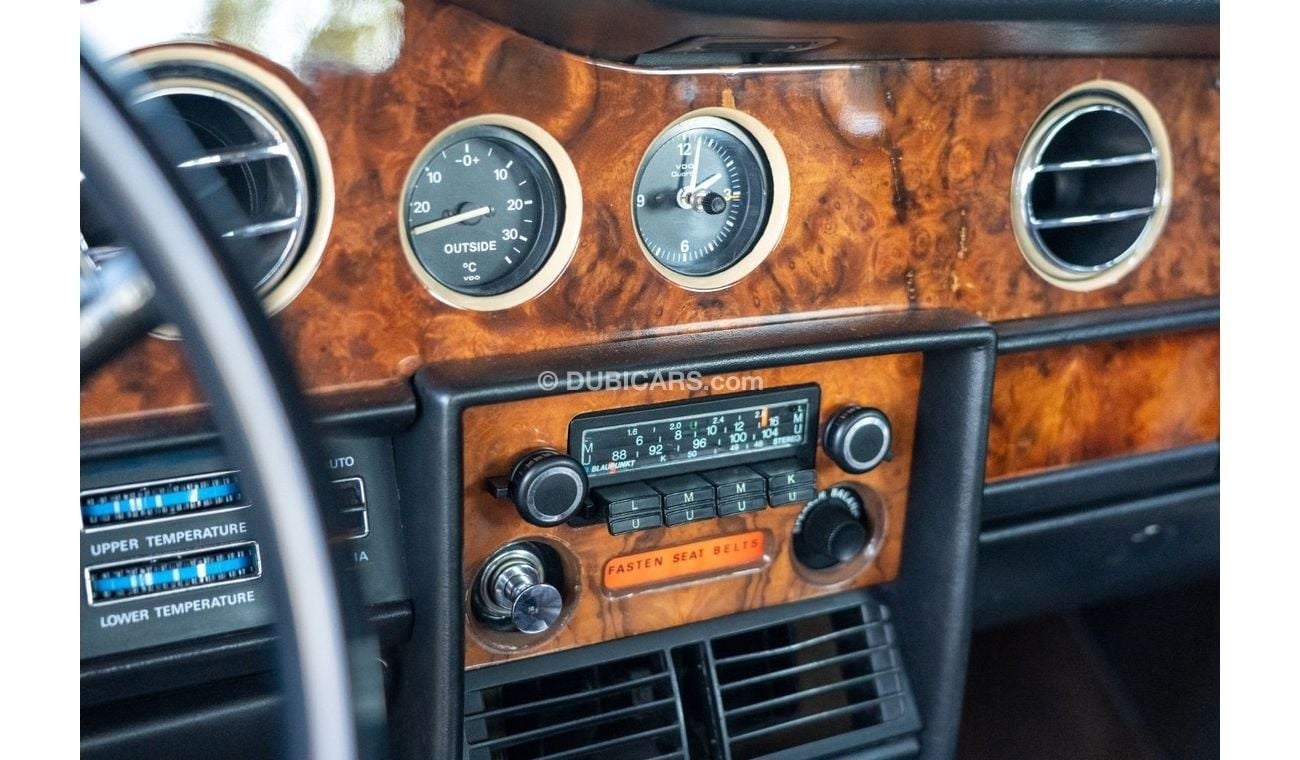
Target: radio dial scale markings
[[657, 441]]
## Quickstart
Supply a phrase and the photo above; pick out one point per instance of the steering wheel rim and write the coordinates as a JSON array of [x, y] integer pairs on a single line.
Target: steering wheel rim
[[254, 402]]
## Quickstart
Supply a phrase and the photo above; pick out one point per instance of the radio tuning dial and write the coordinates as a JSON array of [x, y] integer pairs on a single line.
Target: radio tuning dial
[[858, 438], [547, 487]]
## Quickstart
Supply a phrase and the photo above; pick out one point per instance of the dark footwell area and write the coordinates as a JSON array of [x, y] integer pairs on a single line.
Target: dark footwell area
[[1138, 678]]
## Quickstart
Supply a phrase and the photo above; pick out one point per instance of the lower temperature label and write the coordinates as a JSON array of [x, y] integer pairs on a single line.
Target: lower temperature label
[[714, 556]]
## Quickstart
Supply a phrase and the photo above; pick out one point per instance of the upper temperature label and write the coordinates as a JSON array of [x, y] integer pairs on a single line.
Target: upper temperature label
[[695, 435]]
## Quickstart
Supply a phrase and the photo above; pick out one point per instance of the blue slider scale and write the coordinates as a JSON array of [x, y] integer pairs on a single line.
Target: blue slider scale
[[149, 578], [161, 500]]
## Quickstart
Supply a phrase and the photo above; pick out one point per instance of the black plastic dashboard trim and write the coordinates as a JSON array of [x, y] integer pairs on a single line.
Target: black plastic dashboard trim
[[938, 557], [190, 663], [396, 412], [1070, 560], [1100, 482], [1107, 324], [851, 30]]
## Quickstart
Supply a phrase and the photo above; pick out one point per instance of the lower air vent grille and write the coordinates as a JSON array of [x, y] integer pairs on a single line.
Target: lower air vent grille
[[802, 686], [1092, 186], [821, 678], [626, 709]]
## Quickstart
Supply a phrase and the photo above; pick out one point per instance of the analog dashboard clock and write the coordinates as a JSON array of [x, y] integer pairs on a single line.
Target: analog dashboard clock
[[710, 198], [490, 212]]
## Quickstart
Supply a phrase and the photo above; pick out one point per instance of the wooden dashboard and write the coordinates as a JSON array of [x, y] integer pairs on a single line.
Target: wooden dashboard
[[900, 173], [1074, 404], [595, 613]]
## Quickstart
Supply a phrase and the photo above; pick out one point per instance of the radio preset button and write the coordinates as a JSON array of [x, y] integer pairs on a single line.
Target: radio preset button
[[735, 482], [683, 490], [627, 499], [741, 506], [786, 474], [620, 525], [689, 514], [796, 495]]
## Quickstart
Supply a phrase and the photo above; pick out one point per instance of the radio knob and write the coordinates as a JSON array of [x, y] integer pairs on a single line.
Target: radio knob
[[547, 487], [858, 438], [831, 530]]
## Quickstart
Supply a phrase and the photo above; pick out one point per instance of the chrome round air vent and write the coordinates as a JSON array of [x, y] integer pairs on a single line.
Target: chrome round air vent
[[243, 130], [1092, 186]]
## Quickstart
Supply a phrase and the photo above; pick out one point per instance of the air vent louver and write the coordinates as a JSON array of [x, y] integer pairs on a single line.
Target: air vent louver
[[626, 709], [245, 146], [253, 158], [832, 678], [1092, 186]]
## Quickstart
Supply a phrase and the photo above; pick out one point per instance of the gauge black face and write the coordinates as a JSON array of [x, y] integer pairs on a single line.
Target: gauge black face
[[702, 196], [482, 210]]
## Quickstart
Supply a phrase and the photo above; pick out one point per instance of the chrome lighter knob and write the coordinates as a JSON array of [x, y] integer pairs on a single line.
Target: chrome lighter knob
[[512, 590]]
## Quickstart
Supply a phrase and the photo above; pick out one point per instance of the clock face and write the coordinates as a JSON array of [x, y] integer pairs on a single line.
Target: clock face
[[702, 197]]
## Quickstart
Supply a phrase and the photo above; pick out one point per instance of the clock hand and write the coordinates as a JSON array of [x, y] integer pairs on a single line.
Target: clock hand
[[705, 184], [695, 166]]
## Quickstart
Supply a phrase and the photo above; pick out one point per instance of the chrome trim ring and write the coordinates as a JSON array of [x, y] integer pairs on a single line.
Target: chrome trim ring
[[513, 555], [885, 432], [281, 289], [1088, 97]]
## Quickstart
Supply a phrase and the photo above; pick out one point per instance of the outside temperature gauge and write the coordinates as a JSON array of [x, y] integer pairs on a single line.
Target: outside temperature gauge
[[710, 198], [488, 215]]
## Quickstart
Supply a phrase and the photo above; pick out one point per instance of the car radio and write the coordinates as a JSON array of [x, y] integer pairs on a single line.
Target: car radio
[[668, 464]]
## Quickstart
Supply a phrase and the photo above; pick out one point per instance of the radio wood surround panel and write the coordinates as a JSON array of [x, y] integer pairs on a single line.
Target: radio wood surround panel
[[1068, 405], [900, 176], [496, 436]]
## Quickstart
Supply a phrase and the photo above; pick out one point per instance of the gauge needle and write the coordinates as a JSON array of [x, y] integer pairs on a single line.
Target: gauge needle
[[447, 221]]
